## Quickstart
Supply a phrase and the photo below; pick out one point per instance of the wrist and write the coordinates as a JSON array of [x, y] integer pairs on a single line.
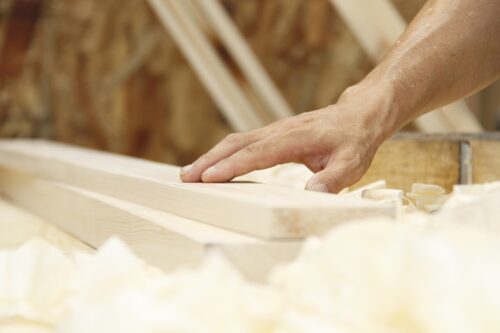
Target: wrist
[[377, 106]]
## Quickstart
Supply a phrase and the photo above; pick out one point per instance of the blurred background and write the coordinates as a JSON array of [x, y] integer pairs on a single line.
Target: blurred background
[[105, 74]]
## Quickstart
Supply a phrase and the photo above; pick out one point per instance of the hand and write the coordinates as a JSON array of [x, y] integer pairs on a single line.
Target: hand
[[337, 143]]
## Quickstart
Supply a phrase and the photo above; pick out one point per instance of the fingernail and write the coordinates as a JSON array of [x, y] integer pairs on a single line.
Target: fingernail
[[209, 172], [317, 187], [185, 170]]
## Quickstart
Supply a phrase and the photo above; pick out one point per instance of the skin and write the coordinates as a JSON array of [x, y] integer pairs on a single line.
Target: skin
[[449, 51]]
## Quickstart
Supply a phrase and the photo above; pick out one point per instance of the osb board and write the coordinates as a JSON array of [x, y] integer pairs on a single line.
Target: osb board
[[105, 74]]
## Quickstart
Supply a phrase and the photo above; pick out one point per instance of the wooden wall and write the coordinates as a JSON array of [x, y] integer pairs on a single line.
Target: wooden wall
[[104, 74]]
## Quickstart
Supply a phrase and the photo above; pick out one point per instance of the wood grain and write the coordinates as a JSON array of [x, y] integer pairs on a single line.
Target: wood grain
[[163, 240], [256, 209], [405, 161], [211, 70], [436, 159], [485, 160], [242, 54]]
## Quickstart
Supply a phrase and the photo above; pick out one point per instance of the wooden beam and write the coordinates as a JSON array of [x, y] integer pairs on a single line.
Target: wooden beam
[[163, 240], [402, 162], [485, 162], [208, 66], [256, 209], [377, 25], [18, 225], [256, 75], [440, 159]]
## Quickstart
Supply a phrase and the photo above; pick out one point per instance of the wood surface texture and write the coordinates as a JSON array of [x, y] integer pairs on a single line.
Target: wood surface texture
[[435, 159], [18, 225], [485, 160], [210, 68], [164, 240], [104, 74], [262, 85], [256, 209]]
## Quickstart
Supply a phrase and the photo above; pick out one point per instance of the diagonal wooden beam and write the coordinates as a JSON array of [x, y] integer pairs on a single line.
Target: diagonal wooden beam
[[208, 66], [255, 209], [254, 72], [377, 25]]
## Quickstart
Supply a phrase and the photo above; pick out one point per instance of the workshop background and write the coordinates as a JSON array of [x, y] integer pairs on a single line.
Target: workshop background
[[105, 74]]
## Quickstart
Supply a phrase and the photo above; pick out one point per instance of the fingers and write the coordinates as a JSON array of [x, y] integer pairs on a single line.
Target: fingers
[[335, 177], [259, 155], [228, 146]]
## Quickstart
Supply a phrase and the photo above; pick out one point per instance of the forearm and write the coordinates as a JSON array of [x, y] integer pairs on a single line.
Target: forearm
[[449, 51]]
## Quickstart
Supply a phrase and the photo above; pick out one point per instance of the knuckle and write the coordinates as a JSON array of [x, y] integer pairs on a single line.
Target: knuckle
[[252, 149], [348, 93], [204, 157], [232, 138], [354, 158]]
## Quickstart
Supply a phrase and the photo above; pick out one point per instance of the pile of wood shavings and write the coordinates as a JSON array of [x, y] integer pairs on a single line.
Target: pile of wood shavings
[[427, 273], [422, 197]]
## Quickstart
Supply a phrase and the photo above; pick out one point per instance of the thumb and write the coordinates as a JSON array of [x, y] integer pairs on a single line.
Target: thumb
[[331, 179]]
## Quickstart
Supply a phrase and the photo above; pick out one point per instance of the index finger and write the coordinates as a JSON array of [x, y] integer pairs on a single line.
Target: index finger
[[256, 156], [228, 146]]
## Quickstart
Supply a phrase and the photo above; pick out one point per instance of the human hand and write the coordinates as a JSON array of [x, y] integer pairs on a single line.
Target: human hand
[[337, 143]]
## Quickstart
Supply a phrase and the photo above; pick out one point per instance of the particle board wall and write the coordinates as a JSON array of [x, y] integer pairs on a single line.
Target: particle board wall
[[104, 74]]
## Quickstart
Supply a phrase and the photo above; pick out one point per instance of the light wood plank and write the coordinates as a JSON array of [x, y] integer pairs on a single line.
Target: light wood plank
[[210, 69], [256, 209], [164, 240], [18, 225], [377, 25]]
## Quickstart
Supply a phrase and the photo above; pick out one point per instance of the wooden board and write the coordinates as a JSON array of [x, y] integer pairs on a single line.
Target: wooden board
[[242, 54], [163, 240], [256, 209], [202, 56], [18, 226], [485, 160], [436, 159], [404, 162]]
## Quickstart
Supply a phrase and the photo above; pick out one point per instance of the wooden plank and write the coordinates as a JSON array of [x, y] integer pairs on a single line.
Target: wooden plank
[[441, 159], [18, 226], [256, 75], [377, 25], [208, 66], [410, 159], [256, 209], [164, 240], [485, 160], [461, 118]]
